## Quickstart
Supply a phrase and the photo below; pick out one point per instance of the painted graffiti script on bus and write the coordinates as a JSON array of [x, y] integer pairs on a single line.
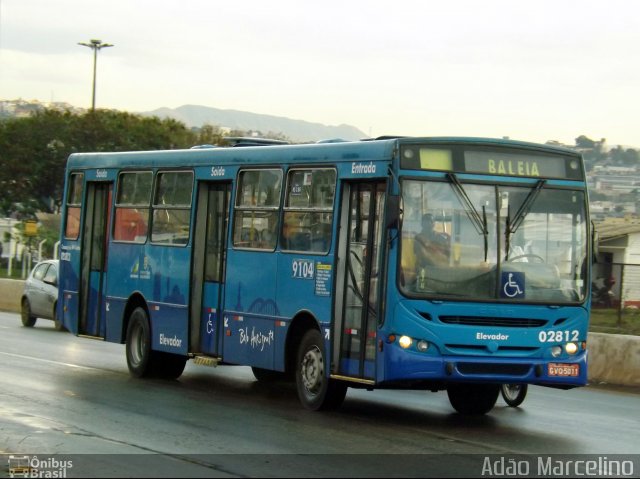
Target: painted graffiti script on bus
[[257, 339]]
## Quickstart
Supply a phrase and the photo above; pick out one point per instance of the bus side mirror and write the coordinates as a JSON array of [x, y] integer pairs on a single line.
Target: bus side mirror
[[393, 211]]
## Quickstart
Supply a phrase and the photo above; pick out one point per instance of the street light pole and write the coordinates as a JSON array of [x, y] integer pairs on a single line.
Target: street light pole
[[95, 45]]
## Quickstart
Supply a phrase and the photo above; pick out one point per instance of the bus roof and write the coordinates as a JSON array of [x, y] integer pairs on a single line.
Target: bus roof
[[371, 150]]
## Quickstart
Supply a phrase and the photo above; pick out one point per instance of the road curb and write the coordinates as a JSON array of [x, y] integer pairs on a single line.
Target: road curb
[[614, 359]]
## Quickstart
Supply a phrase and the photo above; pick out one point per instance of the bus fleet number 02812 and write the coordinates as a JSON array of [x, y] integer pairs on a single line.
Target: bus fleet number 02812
[[558, 336]]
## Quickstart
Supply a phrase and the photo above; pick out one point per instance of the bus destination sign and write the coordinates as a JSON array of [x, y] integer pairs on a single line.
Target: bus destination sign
[[514, 164], [491, 161]]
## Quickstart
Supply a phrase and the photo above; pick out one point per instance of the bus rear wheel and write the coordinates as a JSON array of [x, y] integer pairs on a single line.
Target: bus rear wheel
[[315, 390], [170, 366], [140, 358], [473, 399]]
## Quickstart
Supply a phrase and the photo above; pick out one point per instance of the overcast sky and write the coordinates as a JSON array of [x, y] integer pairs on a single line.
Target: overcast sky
[[533, 70]]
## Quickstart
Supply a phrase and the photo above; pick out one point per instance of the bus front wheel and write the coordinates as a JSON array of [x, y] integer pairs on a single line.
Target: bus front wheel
[[315, 390], [513, 394], [473, 399], [140, 357]]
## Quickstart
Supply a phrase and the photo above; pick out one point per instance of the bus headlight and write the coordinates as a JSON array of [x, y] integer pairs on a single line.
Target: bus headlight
[[422, 346], [571, 348], [556, 351], [405, 342]]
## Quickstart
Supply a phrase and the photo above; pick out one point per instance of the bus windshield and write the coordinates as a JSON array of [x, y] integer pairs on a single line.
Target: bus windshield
[[493, 242]]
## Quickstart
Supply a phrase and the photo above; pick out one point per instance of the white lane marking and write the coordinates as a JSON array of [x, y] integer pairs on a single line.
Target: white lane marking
[[20, 356]]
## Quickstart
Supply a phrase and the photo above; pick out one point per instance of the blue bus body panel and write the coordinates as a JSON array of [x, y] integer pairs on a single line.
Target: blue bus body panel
[[493, 348], [210, 315], [256, 318], [169, 328], [114, 310], [304, 282], [68, 293], [351, 367], [160, 275], [250, 308], [250, 340]]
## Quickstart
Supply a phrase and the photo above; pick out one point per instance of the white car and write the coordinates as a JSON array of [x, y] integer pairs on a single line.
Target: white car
[[40, 296]]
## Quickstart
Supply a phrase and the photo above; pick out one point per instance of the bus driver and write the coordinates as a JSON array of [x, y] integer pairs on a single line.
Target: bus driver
[[430, 247]]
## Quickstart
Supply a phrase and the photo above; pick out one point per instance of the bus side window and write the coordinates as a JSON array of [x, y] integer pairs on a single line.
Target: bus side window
[[256, 210], [172, 208], [74, 201], [308, 214], [132, 206], [320, 237]]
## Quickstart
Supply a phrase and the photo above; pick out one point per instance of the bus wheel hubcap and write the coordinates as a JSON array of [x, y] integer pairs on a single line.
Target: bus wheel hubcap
[[312, 370], [137, 345]]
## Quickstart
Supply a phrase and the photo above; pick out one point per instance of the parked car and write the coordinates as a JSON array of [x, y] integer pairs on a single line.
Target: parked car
[[41, 294]]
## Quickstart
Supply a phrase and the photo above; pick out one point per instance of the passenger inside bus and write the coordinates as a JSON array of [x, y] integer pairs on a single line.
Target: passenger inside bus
[[292, 237]]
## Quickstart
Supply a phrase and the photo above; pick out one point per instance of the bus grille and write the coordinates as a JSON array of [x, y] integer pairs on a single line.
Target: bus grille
[[494, 368], [487, 321], [483, 347]]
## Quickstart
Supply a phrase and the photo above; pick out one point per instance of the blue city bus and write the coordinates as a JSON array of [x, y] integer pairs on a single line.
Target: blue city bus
[[455, 264]]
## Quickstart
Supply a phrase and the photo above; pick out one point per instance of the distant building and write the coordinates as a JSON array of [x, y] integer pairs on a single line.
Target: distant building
[[619, 257], [24, 108]]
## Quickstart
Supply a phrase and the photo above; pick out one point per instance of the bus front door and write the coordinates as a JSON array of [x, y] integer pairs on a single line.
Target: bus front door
[[94, 259], [361, 246], [208, 269]]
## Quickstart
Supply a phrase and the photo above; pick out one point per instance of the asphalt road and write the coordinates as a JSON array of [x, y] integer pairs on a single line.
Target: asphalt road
[[70, 398]]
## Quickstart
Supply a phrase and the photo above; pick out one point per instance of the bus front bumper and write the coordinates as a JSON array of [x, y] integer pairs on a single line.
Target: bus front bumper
[[564, 372]]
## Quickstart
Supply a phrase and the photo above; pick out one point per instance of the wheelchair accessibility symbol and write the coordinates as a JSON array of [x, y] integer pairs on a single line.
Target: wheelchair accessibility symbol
[[513, 285]]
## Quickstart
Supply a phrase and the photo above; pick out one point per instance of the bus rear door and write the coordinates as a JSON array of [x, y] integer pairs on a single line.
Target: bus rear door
[[94, 259], [359, 284], [208, 269]]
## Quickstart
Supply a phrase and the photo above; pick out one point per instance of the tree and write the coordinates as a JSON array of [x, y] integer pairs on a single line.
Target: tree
[[34, 150], [584, 142], [625, 157], [209, 135]]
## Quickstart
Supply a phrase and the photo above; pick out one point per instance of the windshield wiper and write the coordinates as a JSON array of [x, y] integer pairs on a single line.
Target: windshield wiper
[[479, 222], [518, 218]]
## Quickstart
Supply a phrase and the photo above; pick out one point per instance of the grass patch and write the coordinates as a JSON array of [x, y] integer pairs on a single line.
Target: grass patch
[[16, 273], [613, 321]]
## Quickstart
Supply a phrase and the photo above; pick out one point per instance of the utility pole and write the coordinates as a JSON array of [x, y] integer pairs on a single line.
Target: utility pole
[[95, 45]]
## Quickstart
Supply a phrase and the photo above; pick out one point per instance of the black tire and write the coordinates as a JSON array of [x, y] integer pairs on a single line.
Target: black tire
[[267, 375], [315, 390], [140, 358], [28, 319], [473, 399], [170, 366], [513, 394]]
